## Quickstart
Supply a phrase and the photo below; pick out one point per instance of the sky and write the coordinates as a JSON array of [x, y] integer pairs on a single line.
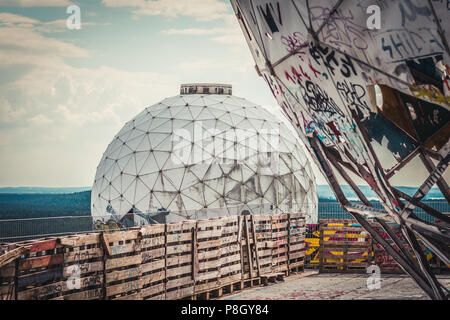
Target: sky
[[65, 93]]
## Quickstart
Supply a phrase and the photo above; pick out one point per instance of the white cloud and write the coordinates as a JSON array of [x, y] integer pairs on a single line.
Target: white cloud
[[58, 119], [35, 3], [201, 10], [229, 33], [8, 114], [14, 20], [27, 40], [194, 31], [7, 18], [40, 120]]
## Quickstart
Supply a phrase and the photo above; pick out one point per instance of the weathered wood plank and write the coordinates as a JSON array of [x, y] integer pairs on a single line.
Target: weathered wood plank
[[154, 254], [39, 262], [153, 290], [181, 226], [38, 246], [83, 283], [41, 277], [41, 292], [151, 266], [123, 274], [152, 278], [82, 255], [123, 248], [80, 240], [172, 272], [178, 237], [120, 235], [123, 262], [177, 260], [209, 233], [201, 276], [209, 244], [11, 255], [83, 268], [230, 269], [125, 287], [179, 248], [152, 229], [180, 293], [179, 282]]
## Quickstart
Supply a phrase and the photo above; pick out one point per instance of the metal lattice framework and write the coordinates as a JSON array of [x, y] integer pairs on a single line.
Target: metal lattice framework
[[199, 155], [356, 94]]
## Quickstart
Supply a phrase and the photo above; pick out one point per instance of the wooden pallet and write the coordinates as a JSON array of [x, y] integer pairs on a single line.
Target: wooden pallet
[[83, 266], [185, 260], [249, 259], [230, 269], [280, 243], [7, 287], [343, 247], [297, 245], [40, 270], [153, 267], [9, 253], [263, 231], [123, 264], [209, 252], [179, 260]]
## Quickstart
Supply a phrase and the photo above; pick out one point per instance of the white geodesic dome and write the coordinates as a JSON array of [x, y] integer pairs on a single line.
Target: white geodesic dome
[[197, 156]]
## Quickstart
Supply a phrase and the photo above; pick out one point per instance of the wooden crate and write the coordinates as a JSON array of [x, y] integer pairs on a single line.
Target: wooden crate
[[83, 266], [7, 287], [179, 260], [280, 243], [297, 245], [230, 252], [209, 245], [153, 252], [174, 261], [9, 253], [344, 246], [248, 251], [40, 270], [122, 264], [263, 233]]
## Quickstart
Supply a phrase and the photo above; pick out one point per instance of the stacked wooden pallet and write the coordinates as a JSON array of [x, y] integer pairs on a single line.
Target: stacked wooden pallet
[[230, 255], [8, 255], [249, 259], [297, 245], [153, 267], [280, 243], [179, 260], [263, 232], [209, 245], [123, 265], [190, 259], [83, 266], [343, 247], [39, 271]]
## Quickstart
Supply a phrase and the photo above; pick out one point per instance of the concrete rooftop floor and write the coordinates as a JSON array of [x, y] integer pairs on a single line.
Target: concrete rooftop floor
[[333, 286]]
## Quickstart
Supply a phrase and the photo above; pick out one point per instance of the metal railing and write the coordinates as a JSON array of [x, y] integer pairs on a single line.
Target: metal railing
[[13, 230]]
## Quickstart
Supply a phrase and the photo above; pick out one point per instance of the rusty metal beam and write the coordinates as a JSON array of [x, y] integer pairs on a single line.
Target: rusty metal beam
[[405, 265], [430, 210], [441, 183]]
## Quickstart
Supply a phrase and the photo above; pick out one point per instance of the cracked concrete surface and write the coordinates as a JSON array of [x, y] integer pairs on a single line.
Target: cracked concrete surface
[[333, 286]]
